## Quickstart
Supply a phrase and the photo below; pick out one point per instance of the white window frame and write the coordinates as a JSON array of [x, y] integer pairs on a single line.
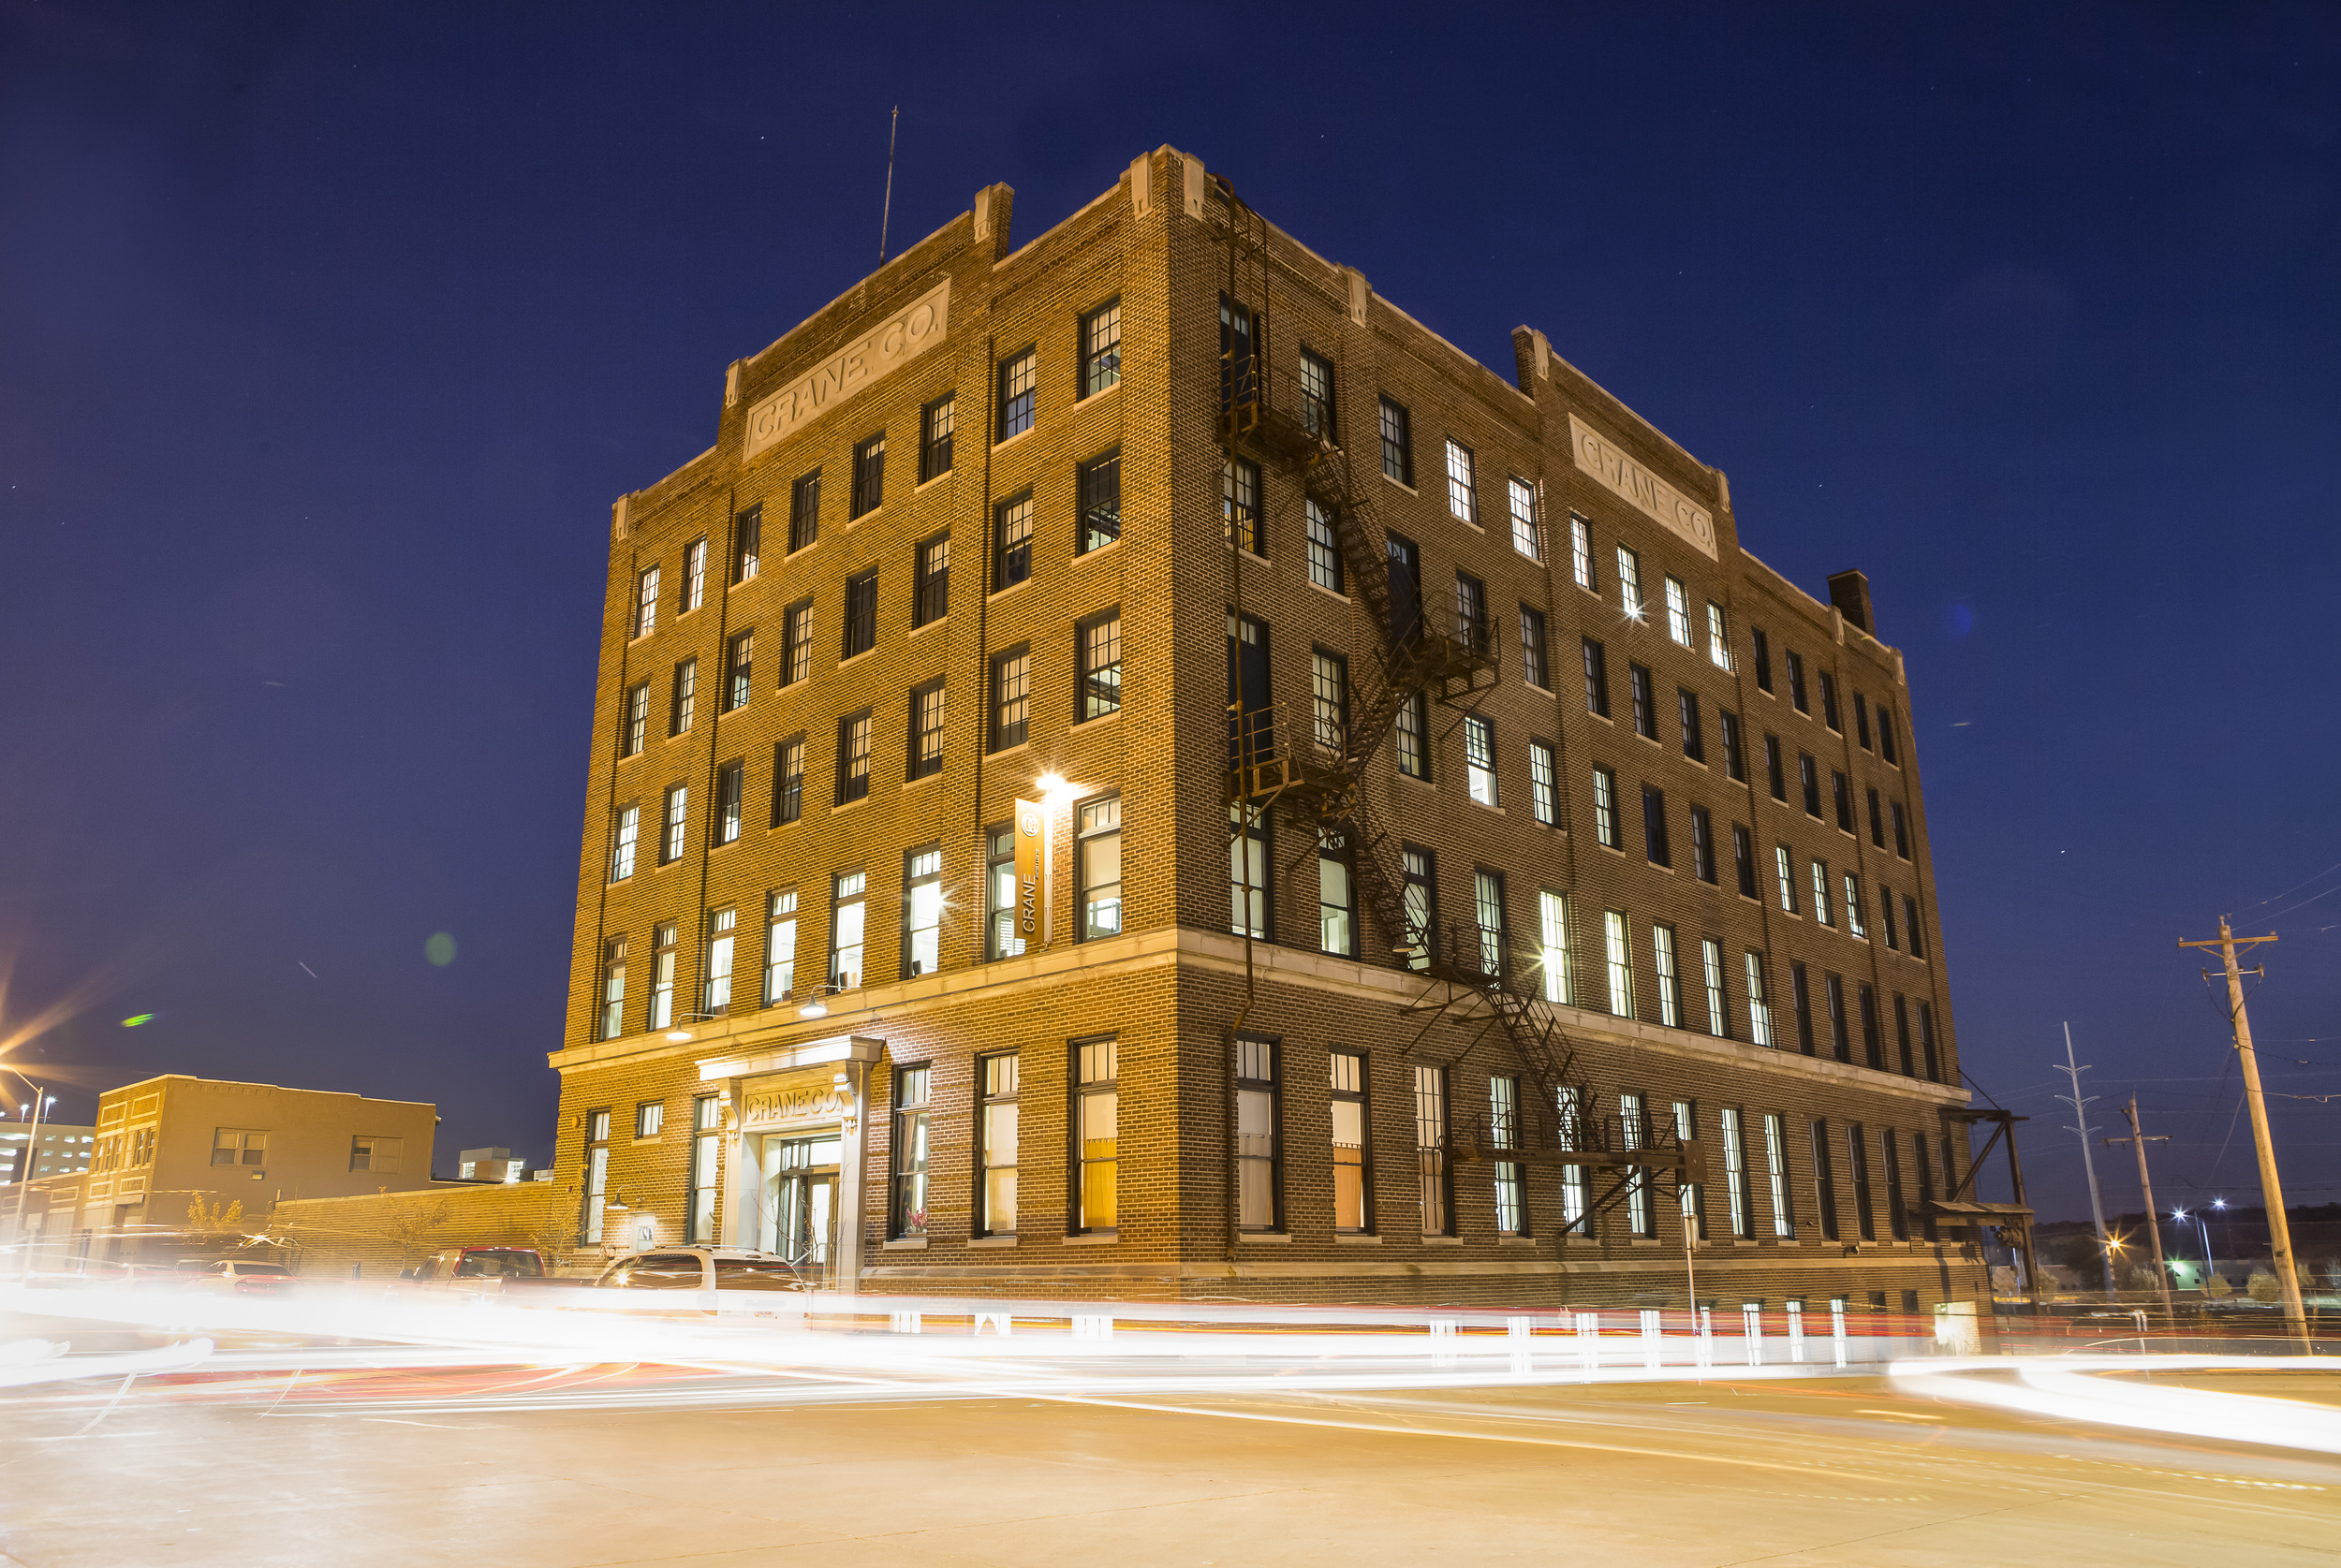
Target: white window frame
[[1463, 497], [1523, 506]]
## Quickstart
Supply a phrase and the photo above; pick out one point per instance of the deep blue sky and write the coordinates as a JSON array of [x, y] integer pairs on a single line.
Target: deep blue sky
[[327, 337]]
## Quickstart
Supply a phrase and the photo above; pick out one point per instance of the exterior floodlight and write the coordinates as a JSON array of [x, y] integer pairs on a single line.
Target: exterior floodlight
[[817, 1008], [678, 1036]]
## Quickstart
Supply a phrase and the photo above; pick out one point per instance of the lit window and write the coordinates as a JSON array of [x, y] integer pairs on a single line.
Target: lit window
[[847, 907], [1429, 1138], [722, 930], [683, 699], [739, 670], [1619, 958], [1678, 612], [780, 948], [1097, 833], [995, 1194], [910, 1151], [1101, 665], [612, 988], [923, 910], [1247, 872], [1759, 1009], [1777, 1170], [1629, 583], [1605, 808], [1503, 1133], [1020, 382], [1553, 941], [1336, 916], [670, 839], [1581, 550], [596, 1175], [730, 786], [1853, 921], [1820, 893], [1001, 939], [797, 633], [1350, 1175], [1239, 504], [1012, 698], [1718, 645], [707, 1125], [1257, 1151], [1718, 1007], [1462, 499], [1544, 799], [1317, 395], [1097, 1106], [1487, 902], [1419, 903], [1670, 983], [1523, 503], [1735, 1172], [1479, 759], [634, 726], [1101, 348], [622, 843], [1325, 564], [1099, 486]]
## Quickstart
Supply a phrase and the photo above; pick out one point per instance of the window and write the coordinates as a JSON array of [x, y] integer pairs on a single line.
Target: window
[[1718, 1005], [1645, 705], [1764, 660], [780, 948], [1336, 910], [1544, 795], [1418, 901], [1414, 752], [1503, 1133], [1328, 700], [1553, 939], [695, 570], [1902, 831], [1620, 961], [1686, 714], [1702, 845], [707, 1136], [1910, 924], [1774, 775], [1487, 900], [1743, 860], [1462, 499], [1096, 1117], [612, 1020], [597, 1174], [622, 843], [867, 493], [1853, 923], [1098, 834], [1829, 701], [1777, 1175], [930, 581], [1678, 610], [1480, 758], [1597, 680], [1820, 893], [646, 602], [650, 1117], [1569, 1101], [1926, 1042], [995, 1141], [1020, 381], [1735, 1173], [722, 931], [1801, 1003], [1902, 1034], [1258, 1173], [739, 670], [1247, 872], [1629, 583], [923, 910], [1352, 1214], [1000, 938], [1239, 364], [1824, 1182], [1858, 1159], [1098, 492], [847, 906], [1861, 732], [662, 974], [1784, 866], [683, 697], [934, 438], [1101, 665], [1630, 1129], [1877, 821], [910, 1151], [1808, 776], [1531, 656], [1317, 395], [1796, 683], [1840, 796], [1605, 808], [1012, 542], [1886, 914], [788, 780], [1011, 698], [634, 720], [730, 784], [1325, 564], [1734, 762], [1523, 505], [1654, 826], [1580, 552], [860, 614], [1718, 645], [748, 534], [805, 511], [1101, 348], [1886, 735], [671, 837], [1759, 1009], [1919, 1163], [1840, 1037], [1239, 504], [853, 757], [926, 729], [1397, 442], [386, 1156], [796, 631], [1670, 983], [1430, 1138]]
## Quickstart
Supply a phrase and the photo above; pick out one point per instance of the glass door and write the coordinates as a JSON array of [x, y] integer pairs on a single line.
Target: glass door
[[798, 1214]]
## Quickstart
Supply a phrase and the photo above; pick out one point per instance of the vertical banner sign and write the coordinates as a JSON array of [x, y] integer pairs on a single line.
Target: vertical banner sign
[[1032, 847]]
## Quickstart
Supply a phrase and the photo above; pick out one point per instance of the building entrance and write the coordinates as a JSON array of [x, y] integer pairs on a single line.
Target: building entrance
[[798, 1211]]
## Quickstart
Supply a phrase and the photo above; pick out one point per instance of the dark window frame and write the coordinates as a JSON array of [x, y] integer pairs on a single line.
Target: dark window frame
[[866, 494], [859, 625]]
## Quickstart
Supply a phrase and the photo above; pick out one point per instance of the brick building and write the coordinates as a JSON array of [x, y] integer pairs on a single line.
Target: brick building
[[1133, 767]]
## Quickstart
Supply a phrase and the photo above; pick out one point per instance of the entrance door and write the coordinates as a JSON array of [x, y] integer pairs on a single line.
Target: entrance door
[[797, 1215]]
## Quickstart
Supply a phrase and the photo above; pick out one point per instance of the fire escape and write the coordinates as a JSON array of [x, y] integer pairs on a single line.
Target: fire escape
[[1425, 656]]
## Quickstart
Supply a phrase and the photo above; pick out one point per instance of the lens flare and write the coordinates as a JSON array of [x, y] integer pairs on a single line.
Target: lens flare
[[137, 1018]]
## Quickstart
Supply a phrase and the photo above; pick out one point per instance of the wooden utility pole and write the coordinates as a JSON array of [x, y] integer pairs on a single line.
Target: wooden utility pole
[[2138, 1140], [2271, 1190]]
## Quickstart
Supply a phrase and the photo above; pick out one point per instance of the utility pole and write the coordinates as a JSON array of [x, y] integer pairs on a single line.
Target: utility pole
[[2088, 1161], [25, 1172], [2271, 1190], [2138, 1140]]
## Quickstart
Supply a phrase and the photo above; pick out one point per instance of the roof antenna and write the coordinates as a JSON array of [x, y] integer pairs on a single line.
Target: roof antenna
[[893, 125]]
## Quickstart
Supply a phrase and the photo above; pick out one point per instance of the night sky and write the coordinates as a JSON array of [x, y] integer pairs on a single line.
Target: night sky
[[328, 336]]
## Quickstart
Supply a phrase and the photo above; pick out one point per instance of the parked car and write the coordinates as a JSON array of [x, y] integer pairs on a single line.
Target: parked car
[[479, 1271], [709, 1279], [243, 1277]]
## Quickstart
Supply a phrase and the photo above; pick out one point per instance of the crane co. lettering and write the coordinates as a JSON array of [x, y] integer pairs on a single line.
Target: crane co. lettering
[[1648, 493], [886, 347]]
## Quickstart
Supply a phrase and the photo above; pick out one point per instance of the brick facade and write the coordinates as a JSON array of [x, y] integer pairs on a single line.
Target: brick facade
[[1173, 985]]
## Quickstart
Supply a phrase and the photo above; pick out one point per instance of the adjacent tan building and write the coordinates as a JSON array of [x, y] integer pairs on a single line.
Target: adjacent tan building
[[1134, 768]]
